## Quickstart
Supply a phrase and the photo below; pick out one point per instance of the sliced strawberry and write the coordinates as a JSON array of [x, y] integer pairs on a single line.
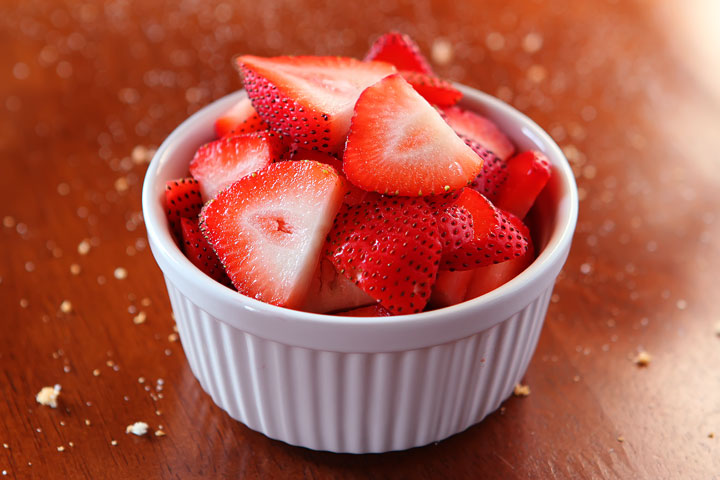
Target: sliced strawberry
[[331, 292], [450, 288], [485, 279], [493, 173], [389, 248], [527, 174], [486, 237], [218, 164], [354, 195], [480, 129], [400, 50], [268, 228], [200, 253], [182, 200], [433, 89], [241, 118], [309, 99], [399, 144], [371, 311]]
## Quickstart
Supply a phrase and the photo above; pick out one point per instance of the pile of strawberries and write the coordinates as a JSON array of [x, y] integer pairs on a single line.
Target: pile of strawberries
[[356, 187]]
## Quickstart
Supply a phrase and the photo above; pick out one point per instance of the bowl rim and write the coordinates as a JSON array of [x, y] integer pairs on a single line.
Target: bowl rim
[[541, 273]]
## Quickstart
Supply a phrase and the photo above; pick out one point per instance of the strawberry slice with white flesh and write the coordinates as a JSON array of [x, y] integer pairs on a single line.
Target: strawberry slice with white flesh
[[399, 144], [309, 99], [241, 118], [486, 279], [480, 129], [218, 164], [527, 174], [269, 227]]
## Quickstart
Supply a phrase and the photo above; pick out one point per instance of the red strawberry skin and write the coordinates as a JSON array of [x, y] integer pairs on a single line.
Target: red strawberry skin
[[399, 144], [268, 228], [400, 50], [309, 99], [479, 129], [493, 174], [486, 279], [182, 200], [218, 164], [390, 249], [527, 174], [241, 118], [200, 253], [450, 288], [369, 311], [485, 236], [433, 89]]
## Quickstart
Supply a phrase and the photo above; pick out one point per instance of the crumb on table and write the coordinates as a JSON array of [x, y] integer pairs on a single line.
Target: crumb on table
[[521, 390], [137, 428], [642, 359], [48, 396]]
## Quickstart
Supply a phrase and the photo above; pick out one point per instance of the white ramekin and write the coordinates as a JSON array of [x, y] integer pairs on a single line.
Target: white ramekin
[[361, 384]]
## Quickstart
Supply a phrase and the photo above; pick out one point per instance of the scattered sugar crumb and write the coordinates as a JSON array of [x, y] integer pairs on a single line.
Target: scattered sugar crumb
[[48, 396], [711, 435], [145, 302], [71, 444], [66, 306], [681, 304], [495, 41], [141, 154], [83, 247], [87, 422], [63, 189], [8, 221], [521, 390], [96, 372], [160, 433], [24, 302], [121, 184], [75, 269], [5, 445], [140, 318], [110, 363], [442, 51], [621, 439], [536, 73], [113, 442], [60, 448], [120, 273], [141, 379], [576, 378], [137, 428], [532, 42], [173, 337], [642, 359]]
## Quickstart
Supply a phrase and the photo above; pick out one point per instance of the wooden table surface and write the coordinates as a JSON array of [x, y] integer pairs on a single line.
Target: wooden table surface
[[628, 89]]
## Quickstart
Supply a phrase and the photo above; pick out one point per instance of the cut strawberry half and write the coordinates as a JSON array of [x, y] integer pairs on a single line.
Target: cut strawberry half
[[527, 174], [486, 279], [400, 50], [493, 174], [475, 233], [182, 200], [399, 144], [200, 253], [241, 118], [390, 249], [370, 311], [331, 292], [480, 129], [309, 99], [268, 228], [433, 89], [218, 164], [450, 288], [354, 194]]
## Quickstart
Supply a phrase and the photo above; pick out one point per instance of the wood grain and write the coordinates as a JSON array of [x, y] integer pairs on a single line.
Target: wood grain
[[626, 88]]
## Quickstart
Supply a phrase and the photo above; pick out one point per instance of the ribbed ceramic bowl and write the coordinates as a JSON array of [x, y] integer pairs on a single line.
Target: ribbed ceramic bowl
[[361, 384]]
